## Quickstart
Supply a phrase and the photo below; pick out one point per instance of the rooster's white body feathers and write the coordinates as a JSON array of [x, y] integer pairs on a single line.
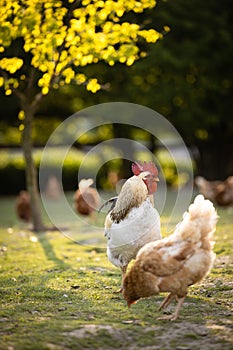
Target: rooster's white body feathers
[[140, 226]]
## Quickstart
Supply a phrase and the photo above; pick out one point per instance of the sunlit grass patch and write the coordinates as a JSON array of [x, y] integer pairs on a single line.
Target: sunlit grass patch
[[61, 294]]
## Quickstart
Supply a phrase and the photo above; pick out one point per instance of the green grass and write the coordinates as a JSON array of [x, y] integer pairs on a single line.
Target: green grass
[[56, 294]]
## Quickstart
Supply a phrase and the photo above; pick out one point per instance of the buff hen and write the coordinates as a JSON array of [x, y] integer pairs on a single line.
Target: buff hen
[[176, 262]]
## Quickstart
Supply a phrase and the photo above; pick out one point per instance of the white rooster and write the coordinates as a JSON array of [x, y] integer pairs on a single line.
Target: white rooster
[[133, 221]]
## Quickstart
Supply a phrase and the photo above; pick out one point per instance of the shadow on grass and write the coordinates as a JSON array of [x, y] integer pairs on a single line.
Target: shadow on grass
[[50, 253]]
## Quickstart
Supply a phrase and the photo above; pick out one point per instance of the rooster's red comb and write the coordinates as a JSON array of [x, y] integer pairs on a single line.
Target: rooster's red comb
[[139, 167]]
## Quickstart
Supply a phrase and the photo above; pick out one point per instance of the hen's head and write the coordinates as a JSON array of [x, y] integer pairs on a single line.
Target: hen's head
[[85, 183], [150, 179], [129, 291]]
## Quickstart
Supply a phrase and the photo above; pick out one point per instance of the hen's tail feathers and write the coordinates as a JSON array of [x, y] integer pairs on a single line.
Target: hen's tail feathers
[[199, 222]]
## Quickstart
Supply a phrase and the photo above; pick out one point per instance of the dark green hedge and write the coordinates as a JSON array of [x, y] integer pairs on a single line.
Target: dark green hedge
[[97, 166]]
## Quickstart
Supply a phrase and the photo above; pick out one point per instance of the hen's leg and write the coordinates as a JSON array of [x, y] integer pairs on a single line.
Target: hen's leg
[[175, 315], [123, 273], [167, 301], [177, 310]]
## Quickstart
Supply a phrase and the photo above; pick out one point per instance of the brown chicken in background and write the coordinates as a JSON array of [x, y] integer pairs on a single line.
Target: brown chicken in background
[[53, 188], [207, 188], [176, 262], [224, 196], [86, 198], [23, 206], [219, 192]]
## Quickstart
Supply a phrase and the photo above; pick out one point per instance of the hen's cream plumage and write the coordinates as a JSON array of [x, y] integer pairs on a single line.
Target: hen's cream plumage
[[174, 263]]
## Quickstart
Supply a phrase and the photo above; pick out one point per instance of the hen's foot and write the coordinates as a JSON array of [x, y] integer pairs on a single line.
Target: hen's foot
[[172, 317]]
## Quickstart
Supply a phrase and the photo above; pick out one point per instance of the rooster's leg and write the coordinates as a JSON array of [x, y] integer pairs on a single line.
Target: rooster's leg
[[166, 301], [123, 273]]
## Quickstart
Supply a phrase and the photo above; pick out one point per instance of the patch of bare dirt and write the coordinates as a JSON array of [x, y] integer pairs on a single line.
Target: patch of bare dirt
[[180, 336]]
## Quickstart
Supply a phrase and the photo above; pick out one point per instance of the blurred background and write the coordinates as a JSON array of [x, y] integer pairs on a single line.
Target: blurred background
[[186, 77]]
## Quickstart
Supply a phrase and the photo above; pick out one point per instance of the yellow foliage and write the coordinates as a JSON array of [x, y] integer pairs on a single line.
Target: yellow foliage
[[150, 35], [21, 115], [95, 31], [8, 92], [11, 64], [201, 134], [45, 90], [69, 74], [80, 78], [93, 85], [21, 127], [167, 29], [130, 60]]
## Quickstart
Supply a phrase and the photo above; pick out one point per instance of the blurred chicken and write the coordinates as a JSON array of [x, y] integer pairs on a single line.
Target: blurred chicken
[[207, 188], [219, 192], [53, 188], [133, 221], [86, 198], [23, 206], [174, 263], [224, 196]]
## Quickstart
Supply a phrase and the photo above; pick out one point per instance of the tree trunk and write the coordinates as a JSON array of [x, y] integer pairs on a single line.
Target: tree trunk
[[31, 173]]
